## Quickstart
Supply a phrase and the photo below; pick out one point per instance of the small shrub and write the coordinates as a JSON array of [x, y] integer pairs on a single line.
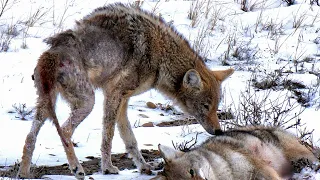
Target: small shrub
[[239, 51], [260, 109], [274, 29], [22, 111], [279, 81], [4, 43], [245, 52], [6, 35]]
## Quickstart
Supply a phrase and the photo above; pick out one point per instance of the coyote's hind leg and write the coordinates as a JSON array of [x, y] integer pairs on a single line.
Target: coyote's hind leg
[[40, 117], [77, 90]]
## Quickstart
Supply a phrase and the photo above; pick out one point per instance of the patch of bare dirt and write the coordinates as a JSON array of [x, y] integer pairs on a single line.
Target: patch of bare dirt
[[187, 121], [91, 166]]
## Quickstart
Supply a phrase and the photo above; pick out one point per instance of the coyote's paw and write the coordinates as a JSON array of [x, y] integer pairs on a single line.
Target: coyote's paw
[[110, 170], [146, 169], [23, 172], [78, 172], [22, 175]]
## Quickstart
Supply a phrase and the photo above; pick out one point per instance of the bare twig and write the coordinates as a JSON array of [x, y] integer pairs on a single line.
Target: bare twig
[[185, 146]]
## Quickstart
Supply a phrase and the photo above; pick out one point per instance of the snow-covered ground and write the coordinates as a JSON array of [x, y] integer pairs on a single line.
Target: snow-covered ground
[[271, 36]]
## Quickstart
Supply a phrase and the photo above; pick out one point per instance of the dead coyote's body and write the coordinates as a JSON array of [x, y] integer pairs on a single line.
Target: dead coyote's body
[[124, 51], [246, 153]]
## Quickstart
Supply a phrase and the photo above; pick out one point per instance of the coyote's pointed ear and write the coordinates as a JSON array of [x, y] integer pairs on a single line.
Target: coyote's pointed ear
[[192, 80], [221, 75], [169, 153]]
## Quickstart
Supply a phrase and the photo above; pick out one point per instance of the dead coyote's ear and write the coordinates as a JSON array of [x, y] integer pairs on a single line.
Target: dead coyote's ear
[[221, 75], [192, 80], [169, 153]]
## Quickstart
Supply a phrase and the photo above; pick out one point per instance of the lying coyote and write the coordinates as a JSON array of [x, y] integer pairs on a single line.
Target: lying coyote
[[245, 153], [124, 51]]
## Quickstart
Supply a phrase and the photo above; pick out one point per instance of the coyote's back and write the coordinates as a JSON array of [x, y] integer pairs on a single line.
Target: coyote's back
[[244, 153]]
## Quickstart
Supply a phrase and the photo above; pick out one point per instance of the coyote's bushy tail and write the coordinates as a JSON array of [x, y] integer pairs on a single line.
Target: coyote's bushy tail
[[47, 68]]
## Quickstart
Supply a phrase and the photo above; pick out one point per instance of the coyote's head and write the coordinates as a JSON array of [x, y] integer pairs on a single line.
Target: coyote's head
[[200, 96], [183, 166]]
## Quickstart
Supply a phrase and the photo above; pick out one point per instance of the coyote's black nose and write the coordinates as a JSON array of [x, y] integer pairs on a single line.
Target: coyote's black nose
[[218, 132]]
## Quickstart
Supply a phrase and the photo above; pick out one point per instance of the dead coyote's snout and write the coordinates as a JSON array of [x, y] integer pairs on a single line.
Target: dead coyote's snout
[[124, 51], [261, 153]]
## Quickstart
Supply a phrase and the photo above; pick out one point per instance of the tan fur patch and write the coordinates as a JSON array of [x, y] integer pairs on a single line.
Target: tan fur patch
[[94, 73], [144, 86], [116, 79]]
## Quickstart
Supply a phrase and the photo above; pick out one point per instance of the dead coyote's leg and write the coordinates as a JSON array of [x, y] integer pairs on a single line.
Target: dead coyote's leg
[[129, 139], [40, 117], [268, 172], [81, 100]]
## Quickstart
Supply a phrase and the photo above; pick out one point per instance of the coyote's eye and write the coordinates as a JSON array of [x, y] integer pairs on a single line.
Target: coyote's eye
[[191, 172], [206, 106]]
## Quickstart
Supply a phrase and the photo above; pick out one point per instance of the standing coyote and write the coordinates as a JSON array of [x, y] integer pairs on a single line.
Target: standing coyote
[[124, 51], [246, 153]]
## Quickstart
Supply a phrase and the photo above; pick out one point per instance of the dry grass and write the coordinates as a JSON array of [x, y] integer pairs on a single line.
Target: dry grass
[[194, 12], [215, 17], [298, 18], [37, 16], [239, 50], [58, 20], [201, 44], [230, 41]]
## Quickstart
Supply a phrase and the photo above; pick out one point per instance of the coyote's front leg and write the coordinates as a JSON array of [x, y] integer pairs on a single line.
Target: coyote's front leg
[[129, 139], [111, 106], [115, 109]]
